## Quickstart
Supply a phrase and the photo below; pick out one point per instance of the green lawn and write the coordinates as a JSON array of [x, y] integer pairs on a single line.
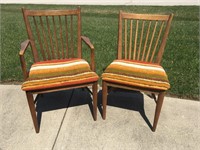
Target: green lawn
[[100, 23]]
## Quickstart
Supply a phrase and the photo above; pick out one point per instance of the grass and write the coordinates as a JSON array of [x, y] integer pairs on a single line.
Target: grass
[[100, 23]]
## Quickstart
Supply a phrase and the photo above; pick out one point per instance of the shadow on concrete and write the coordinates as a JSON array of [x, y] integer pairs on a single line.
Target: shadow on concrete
[[125, 99], [62, 99]]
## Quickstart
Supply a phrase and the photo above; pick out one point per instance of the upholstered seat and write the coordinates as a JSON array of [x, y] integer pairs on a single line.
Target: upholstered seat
[[58, 73], [136, 73]]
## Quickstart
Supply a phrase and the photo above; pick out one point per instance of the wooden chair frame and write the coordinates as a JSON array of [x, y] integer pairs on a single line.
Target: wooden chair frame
[[30, 42], [160, 93]]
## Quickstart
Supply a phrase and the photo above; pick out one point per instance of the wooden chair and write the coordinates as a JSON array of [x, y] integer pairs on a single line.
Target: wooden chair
[[56, 44], [141, 42]]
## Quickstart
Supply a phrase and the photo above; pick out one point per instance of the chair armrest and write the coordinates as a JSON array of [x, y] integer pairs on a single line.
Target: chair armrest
[[90, 45], [22, 51], [87, 41], [24, 46]]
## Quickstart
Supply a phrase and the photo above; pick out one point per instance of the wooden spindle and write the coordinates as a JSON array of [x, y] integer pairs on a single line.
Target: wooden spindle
[[141, 39], [119, 53], [125, 38], [72, 38], [130, 42], [61, 38], [39, 39], [45, 38], [146, 41], [157, 40], [67, 42], [55, 37], [152, 37], [50, 37], [135, 43]]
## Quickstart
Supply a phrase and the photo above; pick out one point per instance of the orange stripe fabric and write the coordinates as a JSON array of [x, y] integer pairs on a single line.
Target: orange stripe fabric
[[134, 73], [50, 74]]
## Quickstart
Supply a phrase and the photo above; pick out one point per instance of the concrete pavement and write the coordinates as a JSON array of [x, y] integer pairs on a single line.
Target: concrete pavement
[[68, 124]]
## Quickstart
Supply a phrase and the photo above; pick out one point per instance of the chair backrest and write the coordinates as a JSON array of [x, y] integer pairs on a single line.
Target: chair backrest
[[54, 34], [142, 37]]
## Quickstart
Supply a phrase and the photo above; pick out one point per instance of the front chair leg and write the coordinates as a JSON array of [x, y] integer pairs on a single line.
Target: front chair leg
[[104, 98], [158, 109], [94, 91], [32, 110]]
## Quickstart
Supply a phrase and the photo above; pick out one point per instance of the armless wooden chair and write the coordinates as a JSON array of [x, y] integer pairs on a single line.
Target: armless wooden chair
[[56, 44], [141, 42]]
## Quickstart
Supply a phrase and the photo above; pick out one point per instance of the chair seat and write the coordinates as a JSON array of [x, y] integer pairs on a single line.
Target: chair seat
[[59, 73], [139, 74]]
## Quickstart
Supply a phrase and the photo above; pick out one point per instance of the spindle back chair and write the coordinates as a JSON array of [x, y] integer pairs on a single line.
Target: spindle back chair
[[142, 37], [141, 43], [56, 44]]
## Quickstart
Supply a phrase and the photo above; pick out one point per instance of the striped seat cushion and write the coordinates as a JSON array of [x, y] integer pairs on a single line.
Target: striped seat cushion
[[58, 73], [134, 73]]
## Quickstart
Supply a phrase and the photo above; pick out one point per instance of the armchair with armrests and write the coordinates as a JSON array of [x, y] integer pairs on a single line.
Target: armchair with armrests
[[56, 43]]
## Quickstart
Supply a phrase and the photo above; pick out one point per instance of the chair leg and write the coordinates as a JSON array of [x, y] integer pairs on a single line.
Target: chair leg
[[158, 109], [32, 110], [104, 98], [94, 90]]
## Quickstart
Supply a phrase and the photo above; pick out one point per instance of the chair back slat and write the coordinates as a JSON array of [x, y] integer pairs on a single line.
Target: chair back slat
[[146, 40], [157, 40], [44, 38], [152, 38], [130, 43], [141, 38], [39, 39], [143, 35], [67, 42], [50, 38], [125, 38], [72, 38], [54, 34], [135, 42], [61, 38], [55, 38]]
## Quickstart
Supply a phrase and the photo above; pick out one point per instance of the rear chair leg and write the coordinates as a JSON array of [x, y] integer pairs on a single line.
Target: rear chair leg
[[32, 110], [104, 98], [158, 109], [94, 90]]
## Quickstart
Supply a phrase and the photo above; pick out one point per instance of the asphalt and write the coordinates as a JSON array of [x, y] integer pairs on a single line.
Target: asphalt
[[66, 121]]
